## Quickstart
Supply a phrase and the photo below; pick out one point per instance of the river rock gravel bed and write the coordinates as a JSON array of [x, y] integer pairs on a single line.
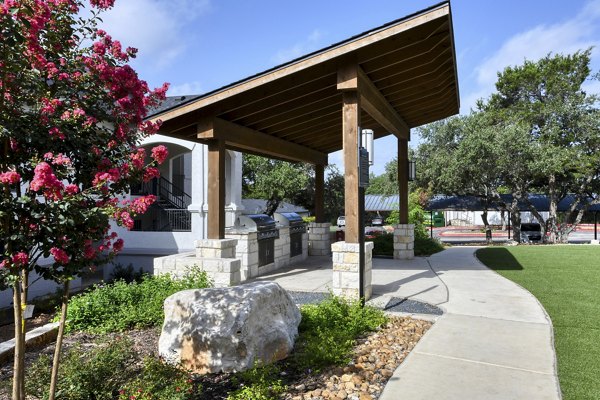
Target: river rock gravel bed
[[375, 358]]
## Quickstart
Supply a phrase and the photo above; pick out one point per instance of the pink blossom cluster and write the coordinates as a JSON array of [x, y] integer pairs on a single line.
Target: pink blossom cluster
[[45, 180], [60, 256], [59, 159], [138, 158], [160, 154], [151, 173], [123, 218], [10, 177], [140, 205], [19, 259], [102, 4]]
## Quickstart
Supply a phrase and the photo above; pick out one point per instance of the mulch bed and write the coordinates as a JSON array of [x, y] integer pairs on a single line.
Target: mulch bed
[[374, 360]]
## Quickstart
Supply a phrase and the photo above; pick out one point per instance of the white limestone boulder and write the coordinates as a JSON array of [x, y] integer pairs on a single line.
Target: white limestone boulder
[[228, 329]]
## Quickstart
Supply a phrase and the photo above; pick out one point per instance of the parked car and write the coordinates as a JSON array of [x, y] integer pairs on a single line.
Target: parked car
[[341, 221], [531, 232], [377, 221]]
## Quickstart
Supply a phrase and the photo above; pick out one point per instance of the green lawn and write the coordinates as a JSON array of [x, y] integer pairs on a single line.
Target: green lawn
[[566, 280]]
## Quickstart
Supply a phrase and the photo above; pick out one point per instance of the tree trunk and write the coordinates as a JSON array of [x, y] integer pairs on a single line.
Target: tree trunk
[[551, 223], [515, 217], [59, 339], [19, 357], [24, 285], [503, 219], [273, 204], [488, 229]]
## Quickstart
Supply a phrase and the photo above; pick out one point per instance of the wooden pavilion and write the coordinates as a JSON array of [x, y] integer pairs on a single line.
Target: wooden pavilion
[[390, 79]]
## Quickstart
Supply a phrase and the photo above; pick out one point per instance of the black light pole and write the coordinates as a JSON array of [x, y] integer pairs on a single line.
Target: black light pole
[[431, 224], [595, 225]]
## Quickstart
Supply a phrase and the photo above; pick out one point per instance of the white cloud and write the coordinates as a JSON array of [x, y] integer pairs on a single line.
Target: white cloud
[[187, 88], [577, 33], [301, 48], [155, 27]]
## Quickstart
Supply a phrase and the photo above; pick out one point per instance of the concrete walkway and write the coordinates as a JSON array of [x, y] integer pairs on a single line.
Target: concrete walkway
[[494, 340]]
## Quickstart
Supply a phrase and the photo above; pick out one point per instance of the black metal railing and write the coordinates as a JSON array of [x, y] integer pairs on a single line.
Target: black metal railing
[[169, 213], [158, 219], [165, 191]]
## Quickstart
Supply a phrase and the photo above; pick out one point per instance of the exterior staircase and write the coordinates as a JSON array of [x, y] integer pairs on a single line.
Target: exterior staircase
[[169, 212]]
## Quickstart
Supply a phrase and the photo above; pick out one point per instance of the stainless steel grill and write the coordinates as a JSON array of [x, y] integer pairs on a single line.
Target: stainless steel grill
[[297, 228], [267, 232]]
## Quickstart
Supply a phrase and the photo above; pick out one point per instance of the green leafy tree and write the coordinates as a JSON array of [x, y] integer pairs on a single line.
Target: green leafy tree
[[273, 180], [459, 156], [547, 101]]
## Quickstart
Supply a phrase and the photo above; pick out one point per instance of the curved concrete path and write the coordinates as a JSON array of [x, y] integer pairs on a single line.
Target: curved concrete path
[[494, 340]]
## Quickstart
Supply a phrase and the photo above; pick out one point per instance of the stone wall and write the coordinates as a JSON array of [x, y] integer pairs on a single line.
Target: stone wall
[[319, 239], [246, 251], [346, 269]]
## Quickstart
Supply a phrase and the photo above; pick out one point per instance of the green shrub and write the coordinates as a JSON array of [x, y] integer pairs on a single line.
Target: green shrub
[[127, 274], [425, 246], [309, 219], [384, 244], [258, 383], [119, 306], [85, 373], [328, 331], [158, 381]]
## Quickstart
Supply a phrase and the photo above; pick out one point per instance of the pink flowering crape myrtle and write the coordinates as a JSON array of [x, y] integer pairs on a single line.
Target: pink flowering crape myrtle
[[72, 111]]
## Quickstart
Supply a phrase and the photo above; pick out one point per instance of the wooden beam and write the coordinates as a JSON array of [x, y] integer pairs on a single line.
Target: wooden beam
[[350, 124], [216, 189], [403, 180], [373, 102], [242, 137], [319, 193], [352, 78]]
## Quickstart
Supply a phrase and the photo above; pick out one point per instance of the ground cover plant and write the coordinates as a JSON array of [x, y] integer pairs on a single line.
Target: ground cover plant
[[565, 279], [120, 305]]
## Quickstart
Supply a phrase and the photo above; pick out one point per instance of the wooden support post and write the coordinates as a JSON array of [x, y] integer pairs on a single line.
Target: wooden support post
[[319, 193], [216, 189], [350, 124], [403, 179]]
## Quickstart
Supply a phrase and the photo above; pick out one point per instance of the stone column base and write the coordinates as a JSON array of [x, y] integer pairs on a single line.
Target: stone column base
[[214, 256], [346, 269], [319, 239], [404, 241]]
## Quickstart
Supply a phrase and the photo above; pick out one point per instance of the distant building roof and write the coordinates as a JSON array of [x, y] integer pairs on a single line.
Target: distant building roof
[[376, 202], [472, 203], [258, 206]]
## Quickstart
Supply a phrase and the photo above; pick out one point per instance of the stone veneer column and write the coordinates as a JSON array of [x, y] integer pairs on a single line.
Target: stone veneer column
[[404, 241], [346, 267], [319, 239], [246, 251], [214, 256]]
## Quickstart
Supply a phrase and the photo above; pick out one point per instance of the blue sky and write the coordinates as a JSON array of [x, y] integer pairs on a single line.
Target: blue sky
[[200, 45]]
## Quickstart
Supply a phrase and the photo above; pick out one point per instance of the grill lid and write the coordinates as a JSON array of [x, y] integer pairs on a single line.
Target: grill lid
[[288, 219], [258, 222]]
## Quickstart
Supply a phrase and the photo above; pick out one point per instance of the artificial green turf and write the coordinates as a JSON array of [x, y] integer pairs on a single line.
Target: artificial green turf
[[566, 280]]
